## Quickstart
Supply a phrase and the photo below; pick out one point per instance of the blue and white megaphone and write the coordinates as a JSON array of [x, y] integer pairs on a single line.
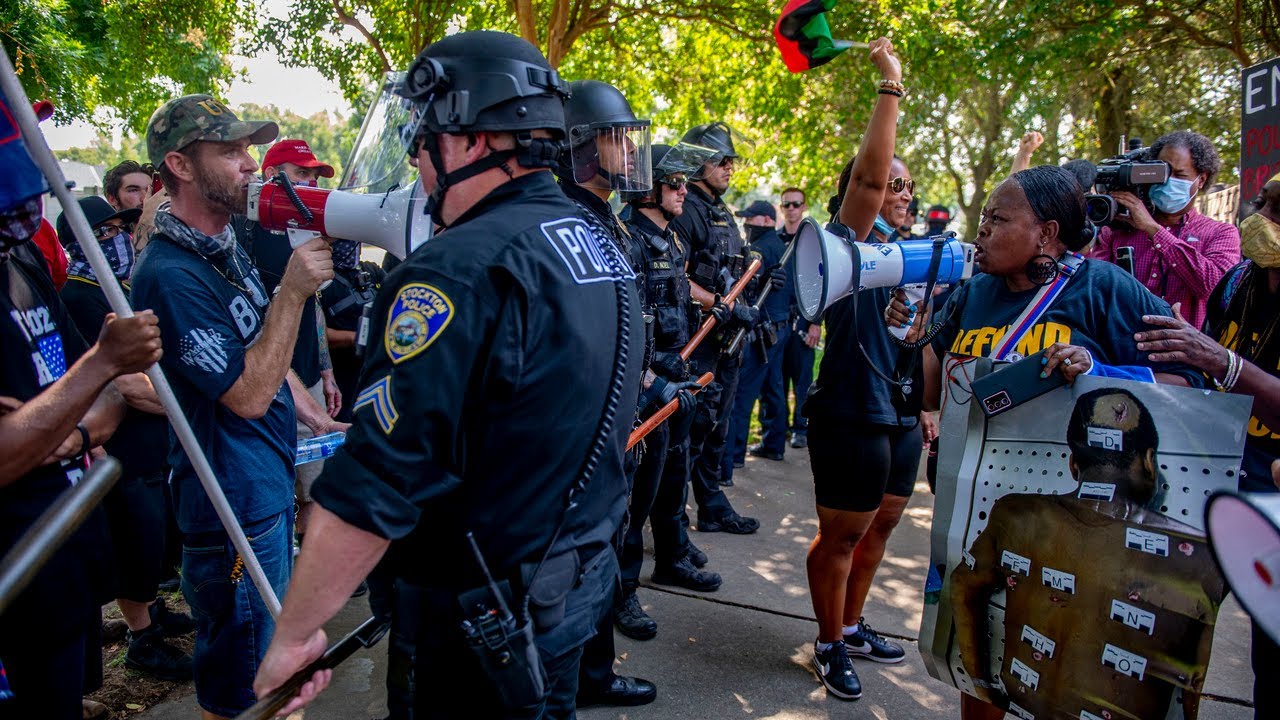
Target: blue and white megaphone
[[829, 267]]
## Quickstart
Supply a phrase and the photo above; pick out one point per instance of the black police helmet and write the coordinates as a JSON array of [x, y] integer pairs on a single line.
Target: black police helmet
[[716, 136], [593, 105], [486, 81]]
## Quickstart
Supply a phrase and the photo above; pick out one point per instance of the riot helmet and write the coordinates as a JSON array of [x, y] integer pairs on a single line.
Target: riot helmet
[[606, 139], [484, 81], [673, 167]]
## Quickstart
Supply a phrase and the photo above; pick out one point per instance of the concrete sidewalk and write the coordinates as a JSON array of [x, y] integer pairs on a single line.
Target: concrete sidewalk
[[744, 651]]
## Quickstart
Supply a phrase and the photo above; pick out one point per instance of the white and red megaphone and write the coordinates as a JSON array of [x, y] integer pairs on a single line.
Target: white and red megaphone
[[395, 221]]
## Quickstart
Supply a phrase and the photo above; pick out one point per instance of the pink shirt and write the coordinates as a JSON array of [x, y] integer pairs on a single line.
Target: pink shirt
[[1180, 264]]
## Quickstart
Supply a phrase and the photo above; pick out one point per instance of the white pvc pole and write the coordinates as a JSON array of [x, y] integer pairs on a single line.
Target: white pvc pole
[[43, 157]]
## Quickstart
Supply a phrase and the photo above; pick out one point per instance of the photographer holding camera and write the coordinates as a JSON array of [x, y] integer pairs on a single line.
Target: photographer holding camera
[[1177, 253]]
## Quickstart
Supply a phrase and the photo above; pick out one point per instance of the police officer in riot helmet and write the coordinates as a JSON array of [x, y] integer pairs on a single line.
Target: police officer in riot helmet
[[486, 446], [661, 482], [608, 150], [713, 239]]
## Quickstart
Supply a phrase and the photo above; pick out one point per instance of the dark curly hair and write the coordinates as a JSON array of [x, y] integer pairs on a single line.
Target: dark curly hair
[[1203, 155]]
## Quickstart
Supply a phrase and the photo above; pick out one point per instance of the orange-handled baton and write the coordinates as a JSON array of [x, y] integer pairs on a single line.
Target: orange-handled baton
[[710, 322], [661, 416]]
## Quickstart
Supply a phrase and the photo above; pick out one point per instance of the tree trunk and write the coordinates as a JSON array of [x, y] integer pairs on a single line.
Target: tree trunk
[[1115, 109]]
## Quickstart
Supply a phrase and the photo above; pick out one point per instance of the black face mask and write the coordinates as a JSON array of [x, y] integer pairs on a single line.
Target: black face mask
[[755, 231], [18, 224]]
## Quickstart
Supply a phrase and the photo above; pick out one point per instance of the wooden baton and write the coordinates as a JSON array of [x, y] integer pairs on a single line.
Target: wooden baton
[[660, 417], [710, 322]]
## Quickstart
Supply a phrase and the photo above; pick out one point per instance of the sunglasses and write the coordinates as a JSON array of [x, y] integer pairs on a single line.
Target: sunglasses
[[897, 184], [725, 162], [674, 184], [793, 204], [106, 232]]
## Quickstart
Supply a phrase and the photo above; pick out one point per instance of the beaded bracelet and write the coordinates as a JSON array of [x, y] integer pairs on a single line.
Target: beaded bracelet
[[895, 85], [887, 91]]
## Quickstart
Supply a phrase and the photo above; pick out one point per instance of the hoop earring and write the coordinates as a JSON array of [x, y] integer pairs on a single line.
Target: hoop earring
[[1042, 269]]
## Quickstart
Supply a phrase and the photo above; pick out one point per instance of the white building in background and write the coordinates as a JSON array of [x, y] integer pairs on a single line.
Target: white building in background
[[86, 179]]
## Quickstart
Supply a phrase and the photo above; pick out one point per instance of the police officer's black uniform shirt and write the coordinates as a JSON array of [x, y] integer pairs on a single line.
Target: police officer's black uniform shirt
[[38, 343], [271, 252], [137, 442], [600, 215], [666, 285], [490, 354]]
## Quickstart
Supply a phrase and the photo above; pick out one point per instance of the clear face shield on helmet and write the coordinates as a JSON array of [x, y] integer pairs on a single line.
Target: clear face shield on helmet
[[378, 162], [617, 156], [682, 159], [730, 147]]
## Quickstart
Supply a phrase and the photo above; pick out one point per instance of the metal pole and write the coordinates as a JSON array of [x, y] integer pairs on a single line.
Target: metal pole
[[48, 164], [759, 304], [53, 528]]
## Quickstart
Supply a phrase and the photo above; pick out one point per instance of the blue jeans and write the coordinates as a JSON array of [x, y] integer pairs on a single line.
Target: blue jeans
[[760, 377], [233, 625]]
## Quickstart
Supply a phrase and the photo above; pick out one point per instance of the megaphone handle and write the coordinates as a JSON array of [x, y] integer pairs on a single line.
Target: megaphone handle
[[915, 293]]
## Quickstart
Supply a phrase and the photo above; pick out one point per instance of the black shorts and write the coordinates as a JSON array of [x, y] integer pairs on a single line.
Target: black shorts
[[137, 514], [856, 465]]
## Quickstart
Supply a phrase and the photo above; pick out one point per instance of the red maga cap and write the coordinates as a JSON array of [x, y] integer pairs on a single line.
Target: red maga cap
[[43, 109], [296, 152]]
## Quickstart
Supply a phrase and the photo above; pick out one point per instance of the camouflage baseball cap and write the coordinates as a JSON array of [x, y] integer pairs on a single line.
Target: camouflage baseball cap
[[184, 120]]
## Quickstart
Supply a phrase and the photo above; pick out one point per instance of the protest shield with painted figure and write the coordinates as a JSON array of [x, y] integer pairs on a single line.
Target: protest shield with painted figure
[[1063, 581]]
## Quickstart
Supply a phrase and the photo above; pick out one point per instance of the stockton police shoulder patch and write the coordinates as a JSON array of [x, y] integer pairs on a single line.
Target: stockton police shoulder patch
[[417, 317]]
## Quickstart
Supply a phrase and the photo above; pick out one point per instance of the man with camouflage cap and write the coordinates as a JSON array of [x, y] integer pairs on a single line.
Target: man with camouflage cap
[[228, 349]]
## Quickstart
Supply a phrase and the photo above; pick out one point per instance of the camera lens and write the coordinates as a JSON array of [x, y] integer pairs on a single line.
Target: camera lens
[[1100, 209]]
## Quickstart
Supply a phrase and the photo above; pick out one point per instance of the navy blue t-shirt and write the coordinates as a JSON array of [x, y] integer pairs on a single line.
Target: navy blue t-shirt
[[770, 247], [846, 389], [1100, 309], [206, 324]]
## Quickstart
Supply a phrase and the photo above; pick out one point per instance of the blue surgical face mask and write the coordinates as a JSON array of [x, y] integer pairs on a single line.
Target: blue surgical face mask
[[883, 227], [1173, 195]]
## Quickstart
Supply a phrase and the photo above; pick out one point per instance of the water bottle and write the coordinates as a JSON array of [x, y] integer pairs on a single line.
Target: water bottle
[[319, 448]]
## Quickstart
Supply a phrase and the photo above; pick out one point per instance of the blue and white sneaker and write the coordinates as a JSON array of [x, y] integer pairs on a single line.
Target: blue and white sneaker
[[835, 669], [867, 643]]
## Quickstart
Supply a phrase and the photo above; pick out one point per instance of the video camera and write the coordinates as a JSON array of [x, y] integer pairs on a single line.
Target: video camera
[[1130, 172]]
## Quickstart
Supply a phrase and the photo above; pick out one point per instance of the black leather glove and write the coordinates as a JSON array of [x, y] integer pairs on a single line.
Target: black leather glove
[[682, 391], [662, 392], [777, 278], [745, 315], [721, 312], [670, 366]]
